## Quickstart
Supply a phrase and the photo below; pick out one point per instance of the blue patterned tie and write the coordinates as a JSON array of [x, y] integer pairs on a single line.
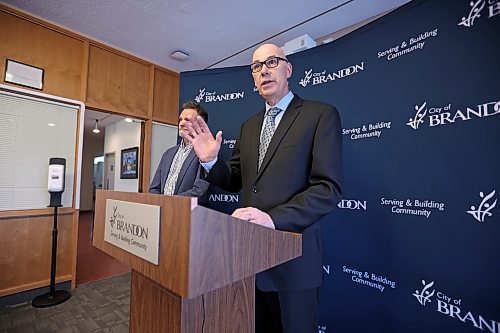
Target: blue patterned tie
[[267, 133]]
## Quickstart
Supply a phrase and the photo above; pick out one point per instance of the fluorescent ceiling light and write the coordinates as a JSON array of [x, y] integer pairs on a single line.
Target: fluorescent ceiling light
[[179, 55]]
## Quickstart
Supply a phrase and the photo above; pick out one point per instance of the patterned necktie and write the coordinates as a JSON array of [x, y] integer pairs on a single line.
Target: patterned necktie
[[267, 133]]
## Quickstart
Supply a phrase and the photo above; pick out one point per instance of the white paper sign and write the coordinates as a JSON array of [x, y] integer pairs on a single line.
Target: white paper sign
[[24, 75], [134, 228]]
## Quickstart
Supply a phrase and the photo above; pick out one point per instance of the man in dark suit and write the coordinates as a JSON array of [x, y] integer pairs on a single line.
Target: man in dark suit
[[287, 161], [179, 170]]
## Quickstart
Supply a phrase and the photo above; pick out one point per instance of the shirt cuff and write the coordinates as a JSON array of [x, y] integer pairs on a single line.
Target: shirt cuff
[[208, 165]]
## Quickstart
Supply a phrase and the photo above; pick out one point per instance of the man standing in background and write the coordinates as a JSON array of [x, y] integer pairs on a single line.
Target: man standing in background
[[179, 170], [287, 161]]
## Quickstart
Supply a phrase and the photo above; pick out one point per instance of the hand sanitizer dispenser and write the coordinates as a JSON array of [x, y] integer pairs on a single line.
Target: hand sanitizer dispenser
[[57, 169]]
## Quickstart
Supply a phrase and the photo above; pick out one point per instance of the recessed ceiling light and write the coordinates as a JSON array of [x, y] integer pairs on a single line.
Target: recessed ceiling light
[[179, 55], [52, 124]]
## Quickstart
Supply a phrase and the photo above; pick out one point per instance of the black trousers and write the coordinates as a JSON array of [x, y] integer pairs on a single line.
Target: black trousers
[[286, 311]]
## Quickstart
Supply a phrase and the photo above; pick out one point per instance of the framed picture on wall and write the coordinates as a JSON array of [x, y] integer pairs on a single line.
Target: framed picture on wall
[[128, 163], [23, 74]]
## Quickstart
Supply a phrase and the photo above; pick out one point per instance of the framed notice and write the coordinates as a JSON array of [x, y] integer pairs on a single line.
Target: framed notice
[[23, 75], [129, 163]]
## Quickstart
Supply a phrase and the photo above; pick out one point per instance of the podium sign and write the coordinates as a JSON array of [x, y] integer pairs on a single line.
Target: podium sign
[[133, 227]]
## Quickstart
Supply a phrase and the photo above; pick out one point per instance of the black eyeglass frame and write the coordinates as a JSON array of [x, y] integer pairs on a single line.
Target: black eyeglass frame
[[262, 63]]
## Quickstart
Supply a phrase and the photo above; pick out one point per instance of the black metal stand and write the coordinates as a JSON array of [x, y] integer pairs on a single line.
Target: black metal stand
[[53, 297]]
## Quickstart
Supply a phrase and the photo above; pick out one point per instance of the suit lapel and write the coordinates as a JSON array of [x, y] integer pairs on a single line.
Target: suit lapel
[[288, 117], [185, 166]]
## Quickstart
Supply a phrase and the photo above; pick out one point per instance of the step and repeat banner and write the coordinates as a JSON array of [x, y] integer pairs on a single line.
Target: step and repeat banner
[[414, 245]]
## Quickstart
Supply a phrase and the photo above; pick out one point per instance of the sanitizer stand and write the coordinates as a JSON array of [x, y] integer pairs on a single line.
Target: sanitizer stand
[[56, 188]]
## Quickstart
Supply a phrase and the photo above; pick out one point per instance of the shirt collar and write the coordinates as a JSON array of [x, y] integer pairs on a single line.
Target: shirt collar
[[282, 103], [184, 146]]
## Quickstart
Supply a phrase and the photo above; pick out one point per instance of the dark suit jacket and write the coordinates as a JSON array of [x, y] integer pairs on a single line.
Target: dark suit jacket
[[299, 183], [188, 182]]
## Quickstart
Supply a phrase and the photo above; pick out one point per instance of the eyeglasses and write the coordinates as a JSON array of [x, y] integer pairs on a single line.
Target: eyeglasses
[[270, 62]]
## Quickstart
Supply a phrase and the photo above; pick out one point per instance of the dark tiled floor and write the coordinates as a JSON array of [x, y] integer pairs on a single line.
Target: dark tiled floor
[[100, 306]]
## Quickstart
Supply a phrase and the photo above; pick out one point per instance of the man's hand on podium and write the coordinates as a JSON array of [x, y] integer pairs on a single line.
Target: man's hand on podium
[[254, 215]]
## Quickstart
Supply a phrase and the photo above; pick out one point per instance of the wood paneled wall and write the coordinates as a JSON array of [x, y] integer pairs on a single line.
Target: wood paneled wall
[[166, 89], [79, 68], [117, 83], [26, 249], [104, 78], [60, 55]]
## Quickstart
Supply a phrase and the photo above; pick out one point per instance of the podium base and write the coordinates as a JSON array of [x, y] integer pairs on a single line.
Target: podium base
[[46, 300]]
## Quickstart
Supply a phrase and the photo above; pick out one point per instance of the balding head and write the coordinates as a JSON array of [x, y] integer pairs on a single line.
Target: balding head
[[268, 48], [272, 83]]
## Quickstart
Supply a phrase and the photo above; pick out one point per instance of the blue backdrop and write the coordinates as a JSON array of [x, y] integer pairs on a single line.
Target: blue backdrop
[[414, 244]]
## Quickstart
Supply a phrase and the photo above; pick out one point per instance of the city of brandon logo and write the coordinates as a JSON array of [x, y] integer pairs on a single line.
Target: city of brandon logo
[[484, 208], [118, 222], [224, 197], [352, 204], [475, 12], [112, 220], [208, 97], [201, 94], [419, 116], [453, 308], [423, 296], [444, 115], [324, 77]]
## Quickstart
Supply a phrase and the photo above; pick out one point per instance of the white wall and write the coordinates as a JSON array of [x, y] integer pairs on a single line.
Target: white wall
[[122, 135], [162, 137]]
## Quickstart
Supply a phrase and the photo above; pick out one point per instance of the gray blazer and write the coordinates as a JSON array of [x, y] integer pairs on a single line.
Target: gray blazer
[[188, 182]]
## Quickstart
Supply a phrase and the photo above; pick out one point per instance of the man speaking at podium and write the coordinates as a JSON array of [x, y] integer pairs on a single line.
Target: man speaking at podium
[[287, 161]]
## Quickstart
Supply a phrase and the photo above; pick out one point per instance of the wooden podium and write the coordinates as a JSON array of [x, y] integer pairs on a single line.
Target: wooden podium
[[205, 277]]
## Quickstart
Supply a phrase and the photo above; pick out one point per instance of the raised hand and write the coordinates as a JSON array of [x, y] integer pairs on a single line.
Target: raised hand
[[199, 135]]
